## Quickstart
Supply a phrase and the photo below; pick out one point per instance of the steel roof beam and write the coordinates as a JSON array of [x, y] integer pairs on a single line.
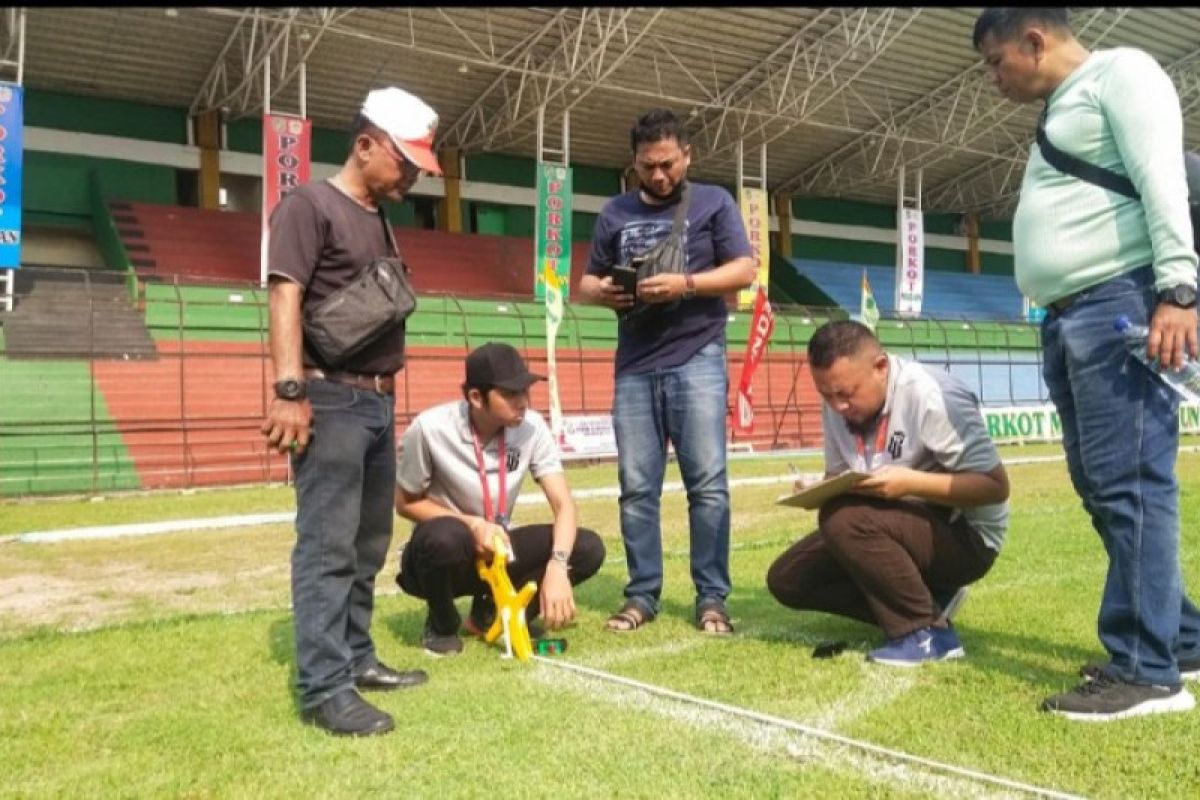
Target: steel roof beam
[[815, 76], [587, 51], [950, 120], [287, 37]]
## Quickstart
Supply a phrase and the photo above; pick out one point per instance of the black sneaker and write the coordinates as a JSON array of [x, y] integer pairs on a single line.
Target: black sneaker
[[441, 644], [1189, 669], [1105, 698]]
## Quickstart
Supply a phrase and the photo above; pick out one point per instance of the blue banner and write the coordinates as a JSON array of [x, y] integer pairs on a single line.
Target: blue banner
[[12, 149]]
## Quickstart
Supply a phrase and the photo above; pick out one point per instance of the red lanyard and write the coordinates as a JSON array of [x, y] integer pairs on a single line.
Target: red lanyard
[[500, 512], [880, 435]]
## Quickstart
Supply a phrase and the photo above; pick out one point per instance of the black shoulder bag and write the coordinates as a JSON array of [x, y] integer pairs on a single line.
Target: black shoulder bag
[[375, 301], [1107, 179], [667, 256]]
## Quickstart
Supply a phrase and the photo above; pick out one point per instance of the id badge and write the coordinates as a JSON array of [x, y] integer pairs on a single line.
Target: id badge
[[861, 464]]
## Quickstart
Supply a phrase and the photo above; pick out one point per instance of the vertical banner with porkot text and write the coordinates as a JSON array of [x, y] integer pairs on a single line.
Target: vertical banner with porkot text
[[910, 262], [553, 234], [753, 203], [552, 267], [287, 163], [12, 149]]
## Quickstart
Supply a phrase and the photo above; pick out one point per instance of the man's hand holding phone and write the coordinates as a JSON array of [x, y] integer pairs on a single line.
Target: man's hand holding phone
[[621, 287]]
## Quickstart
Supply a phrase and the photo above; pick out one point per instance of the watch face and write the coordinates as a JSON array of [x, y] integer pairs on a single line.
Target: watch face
[[1185, 296], [289, 389]]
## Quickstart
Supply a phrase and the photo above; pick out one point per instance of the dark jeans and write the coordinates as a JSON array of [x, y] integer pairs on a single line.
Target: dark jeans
[[876, 560], [1120, 428], [438, 565], [345, 490]]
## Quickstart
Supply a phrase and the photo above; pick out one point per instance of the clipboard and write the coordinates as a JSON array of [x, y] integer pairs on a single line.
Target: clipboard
[[816, 495]]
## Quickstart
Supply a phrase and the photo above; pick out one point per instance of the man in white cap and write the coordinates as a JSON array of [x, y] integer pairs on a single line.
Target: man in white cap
[[339, 423]]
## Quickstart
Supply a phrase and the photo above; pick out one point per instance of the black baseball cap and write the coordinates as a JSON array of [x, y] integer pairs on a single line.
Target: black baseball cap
[[498, 364]]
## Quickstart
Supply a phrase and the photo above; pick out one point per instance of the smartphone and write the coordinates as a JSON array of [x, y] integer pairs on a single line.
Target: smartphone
[[625, 277]]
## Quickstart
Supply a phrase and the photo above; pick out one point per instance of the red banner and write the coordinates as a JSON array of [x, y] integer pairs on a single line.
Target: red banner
[[762, 324], [287, 160]]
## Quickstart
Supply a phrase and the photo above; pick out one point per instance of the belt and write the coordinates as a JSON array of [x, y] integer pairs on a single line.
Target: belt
[[1063, 303], [380, 384]]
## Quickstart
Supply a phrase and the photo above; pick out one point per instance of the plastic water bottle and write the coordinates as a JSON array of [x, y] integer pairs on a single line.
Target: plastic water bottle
[[1185, 380]]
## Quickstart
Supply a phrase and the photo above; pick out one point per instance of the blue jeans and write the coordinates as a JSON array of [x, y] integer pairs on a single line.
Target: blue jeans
[[685, 405], [345, 490], [1121, 433]]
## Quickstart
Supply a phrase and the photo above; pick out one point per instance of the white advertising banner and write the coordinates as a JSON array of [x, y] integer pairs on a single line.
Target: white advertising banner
[[590, 435], [910, 262], [1019, 424]]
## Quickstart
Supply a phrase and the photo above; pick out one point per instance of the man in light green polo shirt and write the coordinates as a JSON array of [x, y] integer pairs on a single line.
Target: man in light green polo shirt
[[1088, 255]]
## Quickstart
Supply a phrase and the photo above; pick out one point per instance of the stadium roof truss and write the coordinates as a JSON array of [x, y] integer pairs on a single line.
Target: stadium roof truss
[[842, 98]]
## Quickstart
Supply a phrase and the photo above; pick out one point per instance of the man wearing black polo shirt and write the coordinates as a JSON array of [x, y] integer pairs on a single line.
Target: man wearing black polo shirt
[[340, 424]]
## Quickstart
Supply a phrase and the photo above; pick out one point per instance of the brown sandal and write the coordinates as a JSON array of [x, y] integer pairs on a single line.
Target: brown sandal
[[629, 618], [713, 620]]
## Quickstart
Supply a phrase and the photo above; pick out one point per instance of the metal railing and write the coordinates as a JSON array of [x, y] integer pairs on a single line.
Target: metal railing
[[78, 423]]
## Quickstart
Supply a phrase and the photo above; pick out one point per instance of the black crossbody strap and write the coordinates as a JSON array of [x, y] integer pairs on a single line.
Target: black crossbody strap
[[387, 231], [1084, 170], [681, 209]]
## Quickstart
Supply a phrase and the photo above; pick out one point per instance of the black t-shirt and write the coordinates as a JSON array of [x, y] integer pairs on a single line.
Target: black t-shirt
[[321, 239], [714, 235]]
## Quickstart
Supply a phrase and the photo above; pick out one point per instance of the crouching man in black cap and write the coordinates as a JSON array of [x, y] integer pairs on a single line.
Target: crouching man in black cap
[[460, 470]]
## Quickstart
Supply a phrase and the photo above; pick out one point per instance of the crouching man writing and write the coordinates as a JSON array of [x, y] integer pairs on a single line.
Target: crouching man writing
[[930, 518]]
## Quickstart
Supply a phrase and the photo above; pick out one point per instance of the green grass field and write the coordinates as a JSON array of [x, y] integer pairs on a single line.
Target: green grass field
[[161, 666]]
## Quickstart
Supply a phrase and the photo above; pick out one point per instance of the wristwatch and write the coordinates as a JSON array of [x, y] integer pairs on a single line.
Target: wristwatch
[[561, 556], [290, 389], [1180, 295], [690, 291]]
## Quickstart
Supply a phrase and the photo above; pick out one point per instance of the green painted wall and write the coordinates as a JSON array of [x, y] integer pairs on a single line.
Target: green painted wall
[[58, 184], [328, 146], [68, 112], [520, 171]]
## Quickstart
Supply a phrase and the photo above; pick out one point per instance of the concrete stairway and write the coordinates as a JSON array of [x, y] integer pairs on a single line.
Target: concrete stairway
[[74, 313]]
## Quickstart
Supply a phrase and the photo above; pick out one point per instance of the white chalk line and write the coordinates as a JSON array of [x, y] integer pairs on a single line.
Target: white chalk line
[[282, 517], [773, 733]]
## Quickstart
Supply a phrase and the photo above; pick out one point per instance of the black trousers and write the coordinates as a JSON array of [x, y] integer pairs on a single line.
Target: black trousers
[[876, 560], [438, 565]]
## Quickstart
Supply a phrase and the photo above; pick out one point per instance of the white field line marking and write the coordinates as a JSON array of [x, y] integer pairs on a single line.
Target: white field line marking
[[213, 523], [886, 684], [772, 732]]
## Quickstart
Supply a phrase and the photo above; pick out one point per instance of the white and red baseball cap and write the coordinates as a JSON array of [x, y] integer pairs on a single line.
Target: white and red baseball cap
[[408, 120]]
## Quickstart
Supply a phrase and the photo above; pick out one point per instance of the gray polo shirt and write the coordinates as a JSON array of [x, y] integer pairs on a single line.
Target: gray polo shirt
[[933, 425], [437, 458]]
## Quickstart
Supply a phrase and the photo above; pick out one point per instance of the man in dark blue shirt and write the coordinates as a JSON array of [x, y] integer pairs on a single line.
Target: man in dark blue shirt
[[671, 377]]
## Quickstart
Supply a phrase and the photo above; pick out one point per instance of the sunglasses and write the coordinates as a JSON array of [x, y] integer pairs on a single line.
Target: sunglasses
[[408, 168]]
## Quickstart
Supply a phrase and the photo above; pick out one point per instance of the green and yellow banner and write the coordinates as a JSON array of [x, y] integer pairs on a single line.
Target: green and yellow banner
[[553, 228]]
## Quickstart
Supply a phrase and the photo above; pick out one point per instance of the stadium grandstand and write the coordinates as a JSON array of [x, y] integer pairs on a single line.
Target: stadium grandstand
[[133, 334]]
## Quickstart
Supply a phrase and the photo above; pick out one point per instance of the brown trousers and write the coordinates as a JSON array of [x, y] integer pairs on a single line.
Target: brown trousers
[[877, 560]]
